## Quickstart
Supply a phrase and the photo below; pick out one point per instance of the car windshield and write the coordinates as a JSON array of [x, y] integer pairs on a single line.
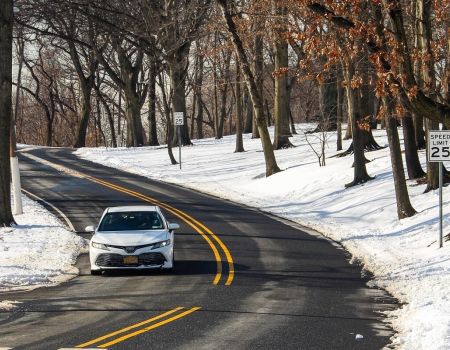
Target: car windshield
[[130, 221]]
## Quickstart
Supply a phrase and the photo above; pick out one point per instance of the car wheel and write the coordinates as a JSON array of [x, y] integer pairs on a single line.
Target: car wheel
[[96, 272]]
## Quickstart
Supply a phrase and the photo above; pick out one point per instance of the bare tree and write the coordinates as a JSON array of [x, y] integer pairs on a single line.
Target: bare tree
[[152, 127], [321, 138], [106, 101], [170, 27], [45, 87], [271, 163], [6, 46], [124, 64], [164, 107], [239, 111], [281, 98], [359, 165], [198, 98]]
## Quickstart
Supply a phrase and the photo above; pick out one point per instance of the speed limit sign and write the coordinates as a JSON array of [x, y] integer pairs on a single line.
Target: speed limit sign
[[179, 118], [439, 146], [439, 151]]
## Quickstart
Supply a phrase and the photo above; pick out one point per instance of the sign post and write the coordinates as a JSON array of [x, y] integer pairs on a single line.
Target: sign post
[[439, 151], [179, 122]]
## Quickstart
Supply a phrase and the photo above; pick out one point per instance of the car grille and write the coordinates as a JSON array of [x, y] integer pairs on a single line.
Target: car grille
[[131, 249], [116, 260]]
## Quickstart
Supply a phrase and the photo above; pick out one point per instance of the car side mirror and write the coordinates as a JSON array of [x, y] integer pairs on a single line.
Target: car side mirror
[[89, 229], [173, 226]]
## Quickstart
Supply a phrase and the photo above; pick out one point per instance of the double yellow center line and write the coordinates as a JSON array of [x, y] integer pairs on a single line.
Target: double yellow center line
[[219, 249], [148, 326]]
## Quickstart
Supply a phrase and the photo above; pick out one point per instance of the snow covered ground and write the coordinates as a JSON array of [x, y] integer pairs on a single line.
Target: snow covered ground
[[403, 255], [37, 252]]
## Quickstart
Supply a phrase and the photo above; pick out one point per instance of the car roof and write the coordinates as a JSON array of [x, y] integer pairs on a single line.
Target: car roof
[[132, 208]]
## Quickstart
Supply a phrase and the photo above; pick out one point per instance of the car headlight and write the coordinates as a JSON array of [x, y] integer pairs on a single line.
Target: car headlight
[[161, 244], [100, 246]]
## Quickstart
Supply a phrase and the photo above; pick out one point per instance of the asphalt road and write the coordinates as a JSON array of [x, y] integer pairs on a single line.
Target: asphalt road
[[289, 290]]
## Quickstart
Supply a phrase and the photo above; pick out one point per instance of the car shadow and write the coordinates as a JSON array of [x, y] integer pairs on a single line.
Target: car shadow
[[182, 268]]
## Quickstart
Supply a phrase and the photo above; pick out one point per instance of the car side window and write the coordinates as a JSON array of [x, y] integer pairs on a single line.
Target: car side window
[[156, 222]]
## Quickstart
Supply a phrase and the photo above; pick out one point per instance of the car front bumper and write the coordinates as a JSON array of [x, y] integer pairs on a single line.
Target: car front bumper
[[114, 258]]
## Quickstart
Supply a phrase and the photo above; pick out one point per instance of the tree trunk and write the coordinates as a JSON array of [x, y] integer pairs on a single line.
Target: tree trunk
[[359, 165], [368, 98], [98, 121], [51, 115], [119, 117], [223, 110], [413, 165], [419, 132], [135, 93], [291, 119], [446, 79], [170, 137], [404, 207], [367, 140], [291, 84], [268, 114], [86, 84], [193, 114], [110, 117], [135, 131], [6, 25], [269, 155], [258, 69], [178, 70], [427, 74], [328, 99], [432, 167], [199, 120], [348, 133], [281, 98], [339, 110], [225, 77], [248, 125], [152, 127], [198, 82], [215, 86], [109, 113], [239, 112], [49, 136], [418, 33], [85, 112], [168, 114]]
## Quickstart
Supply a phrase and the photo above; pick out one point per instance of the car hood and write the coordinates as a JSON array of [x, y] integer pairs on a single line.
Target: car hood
[[130, 238]]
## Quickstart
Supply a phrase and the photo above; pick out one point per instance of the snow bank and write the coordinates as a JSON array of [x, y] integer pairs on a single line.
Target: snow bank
[[39, 251], [403, 255], [8, 305]]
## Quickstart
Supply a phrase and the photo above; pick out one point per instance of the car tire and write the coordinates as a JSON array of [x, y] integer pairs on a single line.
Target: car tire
[[96, 272]]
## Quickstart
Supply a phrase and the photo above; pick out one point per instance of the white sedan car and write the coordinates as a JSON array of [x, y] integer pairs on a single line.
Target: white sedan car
[[132, 237]]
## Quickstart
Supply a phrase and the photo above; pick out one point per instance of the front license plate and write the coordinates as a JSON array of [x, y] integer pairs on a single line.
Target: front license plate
[[130, 260]]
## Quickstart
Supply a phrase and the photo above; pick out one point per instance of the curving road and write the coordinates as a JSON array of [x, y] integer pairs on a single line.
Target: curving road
[[243, 280]]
